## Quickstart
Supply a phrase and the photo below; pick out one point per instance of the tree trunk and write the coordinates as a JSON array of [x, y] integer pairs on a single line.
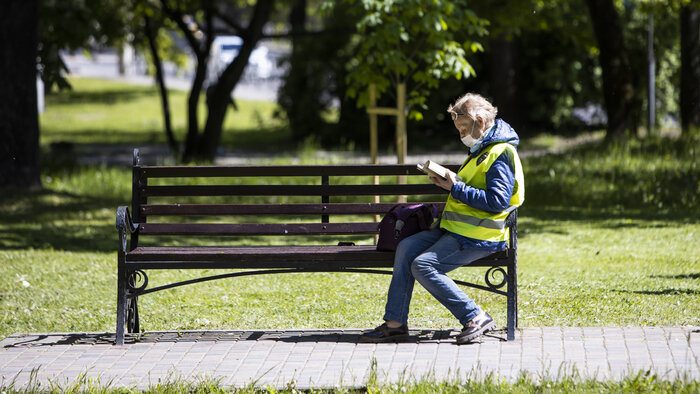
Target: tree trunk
[[192, 138], [690, 69], [201, 50], [301, 112], [220, 97], [19, 124], [504, 81], [160, 80], [618, 90]]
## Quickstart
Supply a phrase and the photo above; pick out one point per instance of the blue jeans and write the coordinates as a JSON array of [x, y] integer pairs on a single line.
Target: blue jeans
[[427, 257]]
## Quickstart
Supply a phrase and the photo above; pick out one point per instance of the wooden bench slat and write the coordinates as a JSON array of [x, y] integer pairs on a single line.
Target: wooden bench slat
[[257, 228], [360, 256], [289, 190], [268, 209], [278, 171]]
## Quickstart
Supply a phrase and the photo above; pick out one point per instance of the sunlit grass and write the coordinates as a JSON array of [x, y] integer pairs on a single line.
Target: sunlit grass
[[107, 112], [608, 236], [461, 382], [578, 267]]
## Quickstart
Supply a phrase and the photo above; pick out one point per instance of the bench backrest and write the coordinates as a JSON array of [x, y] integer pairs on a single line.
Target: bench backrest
[[272, 200]]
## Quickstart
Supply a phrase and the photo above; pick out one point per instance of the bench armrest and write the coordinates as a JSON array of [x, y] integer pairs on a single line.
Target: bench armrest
[[125, 226], [512, 219]]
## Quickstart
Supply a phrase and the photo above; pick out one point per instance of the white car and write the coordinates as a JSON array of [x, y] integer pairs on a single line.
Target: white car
[[225, 48]]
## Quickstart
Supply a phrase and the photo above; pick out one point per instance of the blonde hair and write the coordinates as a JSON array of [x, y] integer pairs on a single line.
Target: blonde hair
[[475, 105]]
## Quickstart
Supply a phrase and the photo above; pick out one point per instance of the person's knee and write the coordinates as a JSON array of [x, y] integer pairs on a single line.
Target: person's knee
[[421, 267]]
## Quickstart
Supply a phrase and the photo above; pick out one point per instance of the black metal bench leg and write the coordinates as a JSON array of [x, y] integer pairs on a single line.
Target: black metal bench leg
[[132, 315], [121, 306], [512, 300]]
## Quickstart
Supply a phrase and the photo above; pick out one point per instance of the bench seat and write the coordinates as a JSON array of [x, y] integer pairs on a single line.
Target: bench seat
[[303, 257]]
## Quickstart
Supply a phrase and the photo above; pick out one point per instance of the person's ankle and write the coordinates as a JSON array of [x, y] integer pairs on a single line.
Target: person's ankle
[[393, 324]]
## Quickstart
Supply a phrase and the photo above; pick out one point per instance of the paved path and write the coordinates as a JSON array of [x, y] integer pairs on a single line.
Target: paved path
[[328, 358]]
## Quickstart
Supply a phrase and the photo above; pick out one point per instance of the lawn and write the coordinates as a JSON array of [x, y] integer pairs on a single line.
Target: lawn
[[105, 112], [608, 237]]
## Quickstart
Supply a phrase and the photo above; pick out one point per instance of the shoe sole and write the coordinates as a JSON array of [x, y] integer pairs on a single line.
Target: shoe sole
[[394, 338], [467, 339]]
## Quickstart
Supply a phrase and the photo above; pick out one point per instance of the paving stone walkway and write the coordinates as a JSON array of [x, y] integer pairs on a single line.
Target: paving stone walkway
[[331, 358]]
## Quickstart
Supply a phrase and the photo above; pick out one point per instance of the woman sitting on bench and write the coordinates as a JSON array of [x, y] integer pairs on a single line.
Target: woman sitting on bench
[[472, 225]]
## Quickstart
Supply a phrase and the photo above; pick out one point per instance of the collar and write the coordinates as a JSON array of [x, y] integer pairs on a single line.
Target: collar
[[477, 147]]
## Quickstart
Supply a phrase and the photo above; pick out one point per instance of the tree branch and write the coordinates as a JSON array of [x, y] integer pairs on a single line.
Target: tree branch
[[176, 16], [237, 28]]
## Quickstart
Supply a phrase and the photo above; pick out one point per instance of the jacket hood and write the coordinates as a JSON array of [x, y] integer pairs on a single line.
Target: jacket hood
[[502, 133]]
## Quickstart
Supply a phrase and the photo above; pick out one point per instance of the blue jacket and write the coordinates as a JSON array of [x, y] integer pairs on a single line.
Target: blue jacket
[[500, 180]]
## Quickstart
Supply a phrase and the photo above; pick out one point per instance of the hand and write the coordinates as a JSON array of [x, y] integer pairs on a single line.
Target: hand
[[445, 183]]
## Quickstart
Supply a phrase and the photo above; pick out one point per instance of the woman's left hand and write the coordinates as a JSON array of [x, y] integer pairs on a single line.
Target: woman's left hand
[[445, 183]]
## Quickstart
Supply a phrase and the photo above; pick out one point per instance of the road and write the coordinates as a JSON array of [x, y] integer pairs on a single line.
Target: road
[[106, 65]]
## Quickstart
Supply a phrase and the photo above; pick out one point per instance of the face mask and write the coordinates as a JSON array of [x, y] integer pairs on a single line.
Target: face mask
[[470, 141]]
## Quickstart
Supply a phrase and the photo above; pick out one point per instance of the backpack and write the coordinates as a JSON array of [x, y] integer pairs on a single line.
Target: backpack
[[404, 220]]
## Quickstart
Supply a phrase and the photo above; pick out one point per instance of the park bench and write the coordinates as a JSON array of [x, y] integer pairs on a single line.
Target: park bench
[[314, 213]]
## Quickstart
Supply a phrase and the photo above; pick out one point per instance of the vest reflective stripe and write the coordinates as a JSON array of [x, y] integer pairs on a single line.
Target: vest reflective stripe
[[474, 221], [470, 222], [499, 224]]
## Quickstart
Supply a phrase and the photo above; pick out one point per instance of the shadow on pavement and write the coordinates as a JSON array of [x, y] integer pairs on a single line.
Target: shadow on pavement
[[289, 336]]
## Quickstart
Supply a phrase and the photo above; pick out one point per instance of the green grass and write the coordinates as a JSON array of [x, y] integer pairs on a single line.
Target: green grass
[[108, 112], [608, 237], [642, 382]]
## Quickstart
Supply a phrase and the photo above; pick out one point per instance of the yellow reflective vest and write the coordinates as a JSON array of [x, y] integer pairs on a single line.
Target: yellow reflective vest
[[470, 222]]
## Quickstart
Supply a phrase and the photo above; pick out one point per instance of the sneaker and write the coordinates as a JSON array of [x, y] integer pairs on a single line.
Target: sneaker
[[384, 333], [478, 326]]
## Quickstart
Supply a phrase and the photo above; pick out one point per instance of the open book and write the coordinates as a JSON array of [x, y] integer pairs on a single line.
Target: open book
[[433, 168]]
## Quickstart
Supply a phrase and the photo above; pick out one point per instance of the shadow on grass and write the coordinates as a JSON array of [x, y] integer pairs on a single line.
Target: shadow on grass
[[660, 292], [266, 142], [86, 141], [106, 95], [681, 276], [48, 221], [609, 217]]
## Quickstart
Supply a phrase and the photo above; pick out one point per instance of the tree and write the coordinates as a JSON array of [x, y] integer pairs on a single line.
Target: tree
[[690, 68], [151, 33], [412, 42], [537, 64], [618, 90], [76, 24], [220, 97], [19, 128], [411, 46], [200, 45], [315, 78], [199, 22]]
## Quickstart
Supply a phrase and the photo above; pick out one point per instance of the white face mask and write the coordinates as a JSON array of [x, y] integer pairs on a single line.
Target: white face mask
[[470, 141]]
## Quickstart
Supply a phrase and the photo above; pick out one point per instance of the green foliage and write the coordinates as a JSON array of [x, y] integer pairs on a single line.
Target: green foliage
[[635, 20], [316, 79], [413, 42], [75, 24]]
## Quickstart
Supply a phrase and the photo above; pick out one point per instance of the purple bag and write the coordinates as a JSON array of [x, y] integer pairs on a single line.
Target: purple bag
[[404, 220]]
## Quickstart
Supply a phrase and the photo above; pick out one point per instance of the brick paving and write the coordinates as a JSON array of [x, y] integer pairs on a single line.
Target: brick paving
[[331, 358]]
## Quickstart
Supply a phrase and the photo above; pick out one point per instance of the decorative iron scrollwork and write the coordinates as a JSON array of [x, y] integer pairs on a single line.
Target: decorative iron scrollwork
[[137, 281], [132, 315], [492, 274]]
